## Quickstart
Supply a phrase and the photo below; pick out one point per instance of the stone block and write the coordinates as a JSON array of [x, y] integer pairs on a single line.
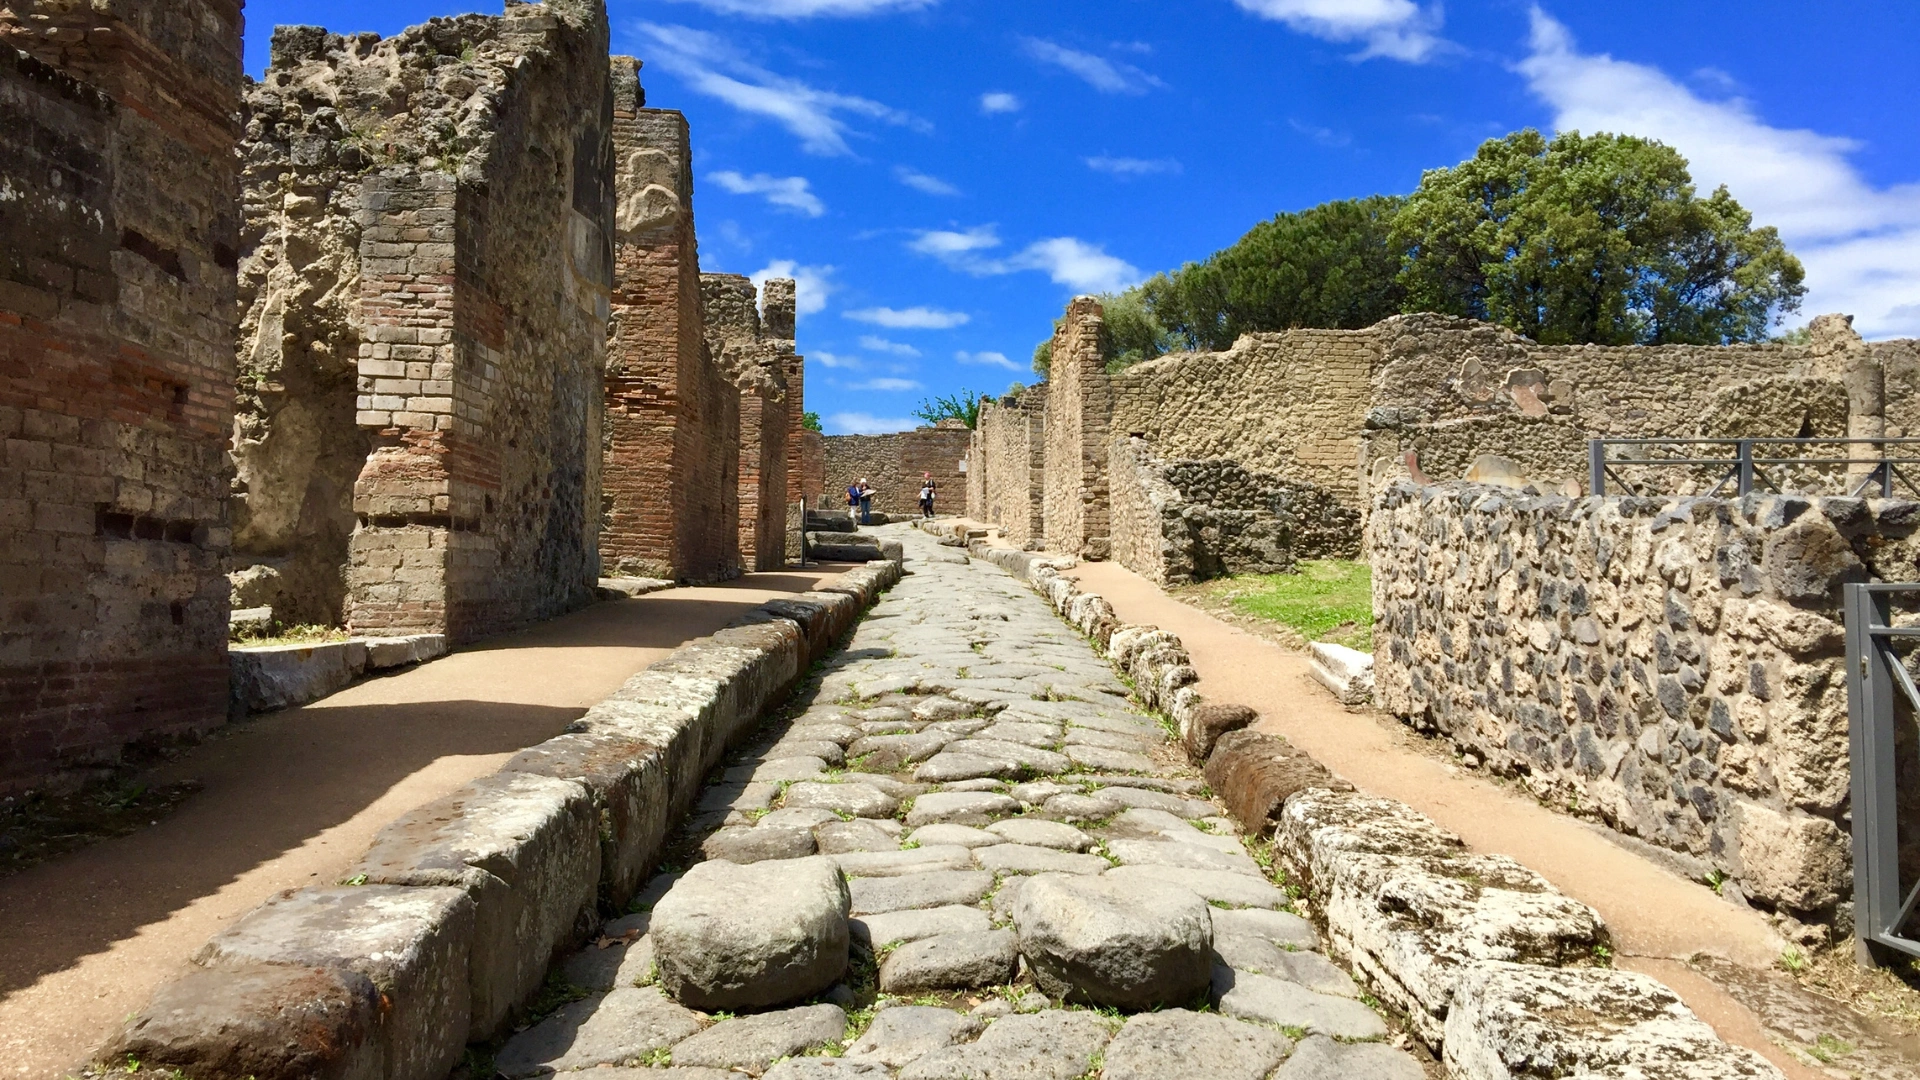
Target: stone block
[[1348, 673], [733, 937], [1207, 723], [627, 777], [1127, 944], [526, 849], [269, 677], [1255, 774], [267, 1021], [1792, 860]]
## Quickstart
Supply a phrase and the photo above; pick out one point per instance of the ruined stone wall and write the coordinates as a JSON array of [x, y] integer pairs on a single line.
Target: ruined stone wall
[[672, 481], [1671, 667], [1008, 462], [118, 234], [813, 469], [894, 465], [467, 165], [1081, 410], [756, 354]]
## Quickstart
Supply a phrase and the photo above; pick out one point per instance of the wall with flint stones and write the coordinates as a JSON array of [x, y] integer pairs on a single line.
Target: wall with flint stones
[[118, 228], [441, 204], [1671, 667]]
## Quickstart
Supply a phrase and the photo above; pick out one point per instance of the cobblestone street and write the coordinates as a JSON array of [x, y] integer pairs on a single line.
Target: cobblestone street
[[1028, 878]]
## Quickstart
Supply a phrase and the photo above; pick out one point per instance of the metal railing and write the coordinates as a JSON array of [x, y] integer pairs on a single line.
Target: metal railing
[[1877, 685], [1747, 465]]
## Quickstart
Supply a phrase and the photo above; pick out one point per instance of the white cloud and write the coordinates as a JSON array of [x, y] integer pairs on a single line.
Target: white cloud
[[1323, 136], [913, 318], [1398, 29], [859, 423], [1132, 166], [1068, 260], [880, 344], [810, 285], [1860, 244], [991, 359], [807, 9], [789, 192], [999, 101], [835, 360], [886, 384], [920, 181], [715, 68], [1106, 76]]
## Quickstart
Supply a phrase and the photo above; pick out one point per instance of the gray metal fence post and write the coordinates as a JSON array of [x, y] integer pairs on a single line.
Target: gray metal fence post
[[1596, 467], [1745, 483]]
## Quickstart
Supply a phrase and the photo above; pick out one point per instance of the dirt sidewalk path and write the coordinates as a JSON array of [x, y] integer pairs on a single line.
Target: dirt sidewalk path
[[1656, 916], [293, 797]]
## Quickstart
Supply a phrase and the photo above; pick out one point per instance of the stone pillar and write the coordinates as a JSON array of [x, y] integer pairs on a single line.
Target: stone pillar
[[1079, 413], [119, 236], [756, 359], [1836, 351]]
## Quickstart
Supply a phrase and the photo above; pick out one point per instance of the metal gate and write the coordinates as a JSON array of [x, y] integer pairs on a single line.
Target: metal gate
[[1879, 690]]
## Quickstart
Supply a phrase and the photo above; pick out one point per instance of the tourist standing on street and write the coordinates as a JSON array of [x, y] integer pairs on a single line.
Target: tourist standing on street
[[853, 498], [866, 502], [926, 495]]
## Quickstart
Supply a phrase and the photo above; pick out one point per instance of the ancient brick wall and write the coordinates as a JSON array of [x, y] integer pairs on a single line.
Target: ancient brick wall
[[473, 158], [756, 354], [671, 488], [118, 239], [894, 466], [1671, 667], [1007, 477], [813, 469], [1080, 413]]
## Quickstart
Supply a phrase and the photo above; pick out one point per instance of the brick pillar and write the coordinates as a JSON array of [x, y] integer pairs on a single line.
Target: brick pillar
[[1079, 413]]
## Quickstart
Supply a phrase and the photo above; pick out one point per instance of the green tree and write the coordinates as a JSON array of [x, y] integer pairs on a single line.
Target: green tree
[[1043, 358], [1133, 332], [810, 421], [962, 406], [1595, 238]]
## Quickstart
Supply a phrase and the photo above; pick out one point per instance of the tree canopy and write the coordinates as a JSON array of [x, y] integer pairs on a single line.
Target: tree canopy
[[963, 406], [1578, 239]]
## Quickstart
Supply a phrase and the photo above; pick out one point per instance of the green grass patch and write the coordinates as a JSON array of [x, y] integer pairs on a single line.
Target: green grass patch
[[1328, 600]]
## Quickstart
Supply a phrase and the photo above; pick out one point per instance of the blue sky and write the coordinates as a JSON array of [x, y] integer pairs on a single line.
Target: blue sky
[[942, 175]]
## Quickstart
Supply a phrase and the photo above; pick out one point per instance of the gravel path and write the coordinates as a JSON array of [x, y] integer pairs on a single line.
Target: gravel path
[[967, 857]]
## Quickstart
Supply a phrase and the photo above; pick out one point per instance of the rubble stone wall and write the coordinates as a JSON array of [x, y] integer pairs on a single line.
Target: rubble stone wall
[[458, 178], [894, 464], [1008, 463], [118, 241], [1080, 413], [756, 352], [1671, 667], [672, 485]]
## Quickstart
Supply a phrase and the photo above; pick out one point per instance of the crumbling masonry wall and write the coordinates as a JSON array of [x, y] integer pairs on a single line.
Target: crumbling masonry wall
[[756, 359], [1008, 462], [1080, 413], [671, 486], [1672, 667], [895, 464], [119, 226], [467, 166]]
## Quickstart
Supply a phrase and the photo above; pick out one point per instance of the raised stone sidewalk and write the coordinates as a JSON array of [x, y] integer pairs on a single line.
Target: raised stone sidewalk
[[968, 855]]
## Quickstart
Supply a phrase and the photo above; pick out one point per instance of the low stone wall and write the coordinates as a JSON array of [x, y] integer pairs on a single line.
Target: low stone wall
[[455, 914], [270, 677], [1672, 667], [894, 465]]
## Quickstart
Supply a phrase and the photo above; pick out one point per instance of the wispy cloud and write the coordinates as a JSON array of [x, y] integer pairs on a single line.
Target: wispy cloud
[[1860, 243], [859, 423], [811, 286], [913, 318], [1132, 166], [1068, 260], [920, 181], [880, 344], [991, 359], [999, 101], [787, 192], [712, 66], [1321, 135], [886, 384], [835, 360], [1397, 29], [808, 9], [1106, 76]]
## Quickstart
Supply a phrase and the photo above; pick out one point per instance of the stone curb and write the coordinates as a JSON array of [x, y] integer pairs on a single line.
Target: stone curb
[[454, 916], [270, 677], [1474, 950]]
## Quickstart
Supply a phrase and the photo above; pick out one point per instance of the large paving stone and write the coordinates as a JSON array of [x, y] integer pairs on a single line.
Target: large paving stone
[[963, 835], [898, 863], [732, 937], [959, 808], [1278, 1001], [860, 834], [1182, 856], [1125, 944], [1039, 832], [1280, 927], [1025, 859], [776, 770], [968, 759], [906, 1033], [1053, 1045], [748, 844], [413, 944], [1142, 798], [1160, 1045], [963, 961], [872, 896], [605, 1029], [1046, 736], [1320, 1058], [1513, 1020], [1100, 757], [1147, 823], [827, 1068], [883, 929], [898, 751], [859, 800], [626, 959], [1215, 886], [754, 1042], [798, 817], [1073, 806]]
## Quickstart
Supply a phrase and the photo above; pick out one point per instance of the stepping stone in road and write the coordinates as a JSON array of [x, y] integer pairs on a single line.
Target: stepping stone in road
[[1023, 859], [873, 896], [965, 961], [605, 1029], [737, 937], [1321, 1058], [904, 926], [905, 1033], [959, 808], [1128, 944], [754, 1042], [1268, 1000], [1155, 1046], [1053, 1045]]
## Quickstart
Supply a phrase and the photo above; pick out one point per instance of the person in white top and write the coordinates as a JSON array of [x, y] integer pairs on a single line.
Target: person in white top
[[926, 495]]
